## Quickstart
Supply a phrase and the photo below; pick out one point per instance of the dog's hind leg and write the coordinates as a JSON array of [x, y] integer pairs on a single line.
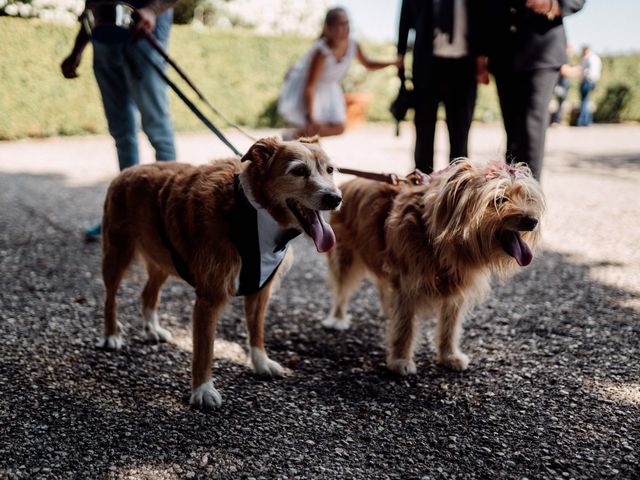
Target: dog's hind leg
[[448, 333], [255, 307], [150, 296], [117, 254], [346, 270], [401, 334]]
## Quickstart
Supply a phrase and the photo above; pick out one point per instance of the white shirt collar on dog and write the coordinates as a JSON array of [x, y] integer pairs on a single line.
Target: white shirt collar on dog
[[270, 234]]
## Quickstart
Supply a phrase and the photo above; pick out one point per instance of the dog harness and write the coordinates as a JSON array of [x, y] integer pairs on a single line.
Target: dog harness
[[261, 242]]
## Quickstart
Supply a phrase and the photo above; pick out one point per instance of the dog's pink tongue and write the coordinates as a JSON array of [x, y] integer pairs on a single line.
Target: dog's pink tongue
[[513, 244], [322, 233]]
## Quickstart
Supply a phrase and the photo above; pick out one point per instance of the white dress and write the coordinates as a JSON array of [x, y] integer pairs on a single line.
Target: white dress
[[328, 100]]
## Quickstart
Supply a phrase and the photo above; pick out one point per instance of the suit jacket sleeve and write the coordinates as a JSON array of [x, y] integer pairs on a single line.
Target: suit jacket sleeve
[[407, 22], [478, 22], [568, 7]]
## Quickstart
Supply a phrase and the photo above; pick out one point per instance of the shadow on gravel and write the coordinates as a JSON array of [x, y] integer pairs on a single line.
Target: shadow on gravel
[[612, 164], [552, 389]]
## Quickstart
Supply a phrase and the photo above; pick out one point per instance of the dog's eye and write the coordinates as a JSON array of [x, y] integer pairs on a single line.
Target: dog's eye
[[329, 170], [500, 200], [300, 171]]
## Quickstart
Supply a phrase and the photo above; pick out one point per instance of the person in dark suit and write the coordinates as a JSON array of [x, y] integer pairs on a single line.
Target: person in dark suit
[[525, 43], [444, 71]]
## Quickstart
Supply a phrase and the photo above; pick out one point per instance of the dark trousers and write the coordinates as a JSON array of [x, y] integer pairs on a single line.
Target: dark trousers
[[453, 83], [524, 101]]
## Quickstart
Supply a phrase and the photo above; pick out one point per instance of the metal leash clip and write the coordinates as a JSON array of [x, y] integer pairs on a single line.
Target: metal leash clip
[[418, 177]]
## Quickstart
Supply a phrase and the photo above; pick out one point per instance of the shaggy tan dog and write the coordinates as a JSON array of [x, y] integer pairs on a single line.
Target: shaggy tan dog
[[224, 228], [433, 248]]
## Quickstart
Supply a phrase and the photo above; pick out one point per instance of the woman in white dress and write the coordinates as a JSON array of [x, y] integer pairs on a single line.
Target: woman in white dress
[[312, 98]]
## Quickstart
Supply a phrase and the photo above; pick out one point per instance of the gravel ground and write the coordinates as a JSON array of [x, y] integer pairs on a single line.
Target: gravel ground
[[553, 390]]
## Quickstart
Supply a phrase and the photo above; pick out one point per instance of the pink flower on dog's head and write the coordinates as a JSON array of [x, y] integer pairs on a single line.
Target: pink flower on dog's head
[[497, 168]]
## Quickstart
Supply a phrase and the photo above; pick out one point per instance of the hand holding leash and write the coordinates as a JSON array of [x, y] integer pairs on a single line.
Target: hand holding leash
[[145, 19]]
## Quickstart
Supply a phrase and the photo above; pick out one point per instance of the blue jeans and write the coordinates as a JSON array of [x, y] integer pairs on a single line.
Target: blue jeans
[[586, 117], [129, 84]]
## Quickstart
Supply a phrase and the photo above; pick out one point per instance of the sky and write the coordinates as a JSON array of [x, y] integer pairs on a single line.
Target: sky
[[608, 26]]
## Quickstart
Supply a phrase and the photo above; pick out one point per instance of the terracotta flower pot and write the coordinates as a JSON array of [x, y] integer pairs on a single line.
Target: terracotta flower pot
[[357, 106]]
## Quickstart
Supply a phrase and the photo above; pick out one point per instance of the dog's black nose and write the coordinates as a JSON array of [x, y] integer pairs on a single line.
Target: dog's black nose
[[527, 224], [331, 201]]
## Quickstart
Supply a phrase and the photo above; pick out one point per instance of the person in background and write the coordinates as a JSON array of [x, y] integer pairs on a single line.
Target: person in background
[[312, 98], [561, 90], [525, 46], [444, 71], [591, 70], [128, 84]]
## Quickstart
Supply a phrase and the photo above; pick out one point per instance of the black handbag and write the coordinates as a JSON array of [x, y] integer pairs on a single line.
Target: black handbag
[[403, 102]]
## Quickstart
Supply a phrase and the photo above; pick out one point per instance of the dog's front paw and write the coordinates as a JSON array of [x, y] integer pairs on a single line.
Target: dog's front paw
[[156, 334], [111, 342], [264, 366], [454, 361], [337, 323], [402, 366], [205, 397]]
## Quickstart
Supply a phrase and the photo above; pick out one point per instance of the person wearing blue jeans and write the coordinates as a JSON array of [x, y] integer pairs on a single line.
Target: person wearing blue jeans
[[591, 70], [586, 117], [128, 84]]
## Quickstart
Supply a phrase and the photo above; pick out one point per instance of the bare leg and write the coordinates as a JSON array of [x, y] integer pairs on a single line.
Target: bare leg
[[345, 272], [330, 129], [117, 254], [401, 334], [255, 307], [150, 295], [322, 130], [205, 319], [448, 336]]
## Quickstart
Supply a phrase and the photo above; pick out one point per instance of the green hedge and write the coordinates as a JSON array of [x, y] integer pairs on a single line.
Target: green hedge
[[241, 73], [621, 71]]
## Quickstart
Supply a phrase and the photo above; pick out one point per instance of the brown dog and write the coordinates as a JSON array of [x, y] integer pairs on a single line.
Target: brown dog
[[433, 248], [224, 228]]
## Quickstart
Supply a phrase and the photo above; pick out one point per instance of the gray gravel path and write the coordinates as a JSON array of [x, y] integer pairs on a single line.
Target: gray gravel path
[[553, 390]]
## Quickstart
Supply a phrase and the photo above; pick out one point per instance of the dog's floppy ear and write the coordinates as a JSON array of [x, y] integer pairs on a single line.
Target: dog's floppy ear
[[460, 175], [261, 151]]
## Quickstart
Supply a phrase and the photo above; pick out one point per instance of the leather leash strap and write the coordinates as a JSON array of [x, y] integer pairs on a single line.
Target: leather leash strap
[[414, 178], [391, 178]]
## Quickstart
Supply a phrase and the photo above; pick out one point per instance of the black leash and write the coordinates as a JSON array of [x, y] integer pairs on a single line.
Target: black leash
[[157, 46], [190, 104], [123, 15]]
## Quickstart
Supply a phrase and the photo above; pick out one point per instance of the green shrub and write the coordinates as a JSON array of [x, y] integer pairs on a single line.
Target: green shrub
[[241, 74], [621, 69], [613, 103], [183, 11]]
